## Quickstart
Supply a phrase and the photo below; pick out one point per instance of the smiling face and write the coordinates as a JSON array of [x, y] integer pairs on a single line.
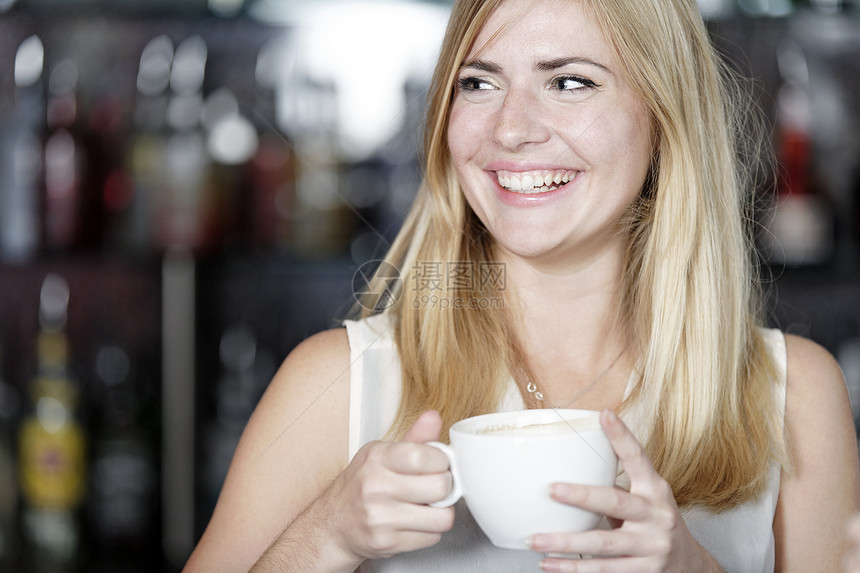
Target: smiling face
[[549, 142]]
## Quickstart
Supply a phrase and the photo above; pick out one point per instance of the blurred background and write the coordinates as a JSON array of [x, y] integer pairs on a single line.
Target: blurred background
[[187, 188]]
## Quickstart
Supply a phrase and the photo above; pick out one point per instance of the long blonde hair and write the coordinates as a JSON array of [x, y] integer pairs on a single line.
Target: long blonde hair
[[689, 283]]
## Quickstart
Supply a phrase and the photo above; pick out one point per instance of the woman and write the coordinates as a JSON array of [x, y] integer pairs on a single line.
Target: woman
[[581, 169]]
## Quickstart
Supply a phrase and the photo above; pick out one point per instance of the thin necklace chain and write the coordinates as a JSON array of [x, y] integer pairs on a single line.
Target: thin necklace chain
[[533, 389]]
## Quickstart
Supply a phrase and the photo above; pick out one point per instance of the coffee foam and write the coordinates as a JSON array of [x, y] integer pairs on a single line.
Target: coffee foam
[[546, 429]]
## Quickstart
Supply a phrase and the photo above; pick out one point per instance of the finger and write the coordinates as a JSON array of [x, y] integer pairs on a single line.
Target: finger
[[426, 428], [411, 458], [410, 517], [610, 501], [423, 489], [596, 542], [630, 453]]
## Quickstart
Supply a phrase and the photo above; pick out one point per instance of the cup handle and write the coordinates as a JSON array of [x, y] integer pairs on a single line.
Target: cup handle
[[456, 487]]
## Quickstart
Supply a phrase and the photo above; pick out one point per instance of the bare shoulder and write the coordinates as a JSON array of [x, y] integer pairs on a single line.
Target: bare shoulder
[[816, 394], [807, 356], [293, 446], [326, 345], [315, 366], [811, 369], [821, 489], [307, 397]]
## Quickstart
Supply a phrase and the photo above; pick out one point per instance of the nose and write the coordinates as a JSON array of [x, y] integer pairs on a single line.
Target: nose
[[519, 121]]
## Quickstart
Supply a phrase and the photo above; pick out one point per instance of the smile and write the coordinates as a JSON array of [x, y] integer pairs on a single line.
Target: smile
[[531, 182]]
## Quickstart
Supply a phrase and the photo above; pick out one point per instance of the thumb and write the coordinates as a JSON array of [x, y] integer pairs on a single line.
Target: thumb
[[426, 428]]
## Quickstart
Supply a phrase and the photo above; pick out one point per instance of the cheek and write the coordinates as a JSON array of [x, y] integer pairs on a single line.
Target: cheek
[[466, 132], [464, 145], [621, 142], [641, 149], [460, 136], [639, 130]]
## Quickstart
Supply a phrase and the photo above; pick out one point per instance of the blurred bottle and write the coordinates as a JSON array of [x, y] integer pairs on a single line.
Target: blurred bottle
[[110, 185], [123, 476], [65, 162], [272, 170], [52, 445], [21, 156], [271, 174], [9, 405], [245, 369], [231, 141], [383, 187], [827, 33], [131, 210], [190, 206], [322, 223], [801, 224]]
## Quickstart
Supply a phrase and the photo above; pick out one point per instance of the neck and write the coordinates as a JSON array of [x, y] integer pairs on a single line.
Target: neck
[[568, 327]]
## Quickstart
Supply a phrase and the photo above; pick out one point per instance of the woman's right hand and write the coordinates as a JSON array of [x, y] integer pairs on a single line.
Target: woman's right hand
[[378, 504]]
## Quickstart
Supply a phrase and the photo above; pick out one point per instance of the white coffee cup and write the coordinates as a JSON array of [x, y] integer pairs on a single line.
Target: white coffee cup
[[504, 463]]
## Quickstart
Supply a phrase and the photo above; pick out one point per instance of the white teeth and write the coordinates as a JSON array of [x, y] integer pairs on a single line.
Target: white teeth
[[529, 182], [533, 182]]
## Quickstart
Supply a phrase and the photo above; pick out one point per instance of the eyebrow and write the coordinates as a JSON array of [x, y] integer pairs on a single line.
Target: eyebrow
[[482, 65], [554, 64], [542, 65]]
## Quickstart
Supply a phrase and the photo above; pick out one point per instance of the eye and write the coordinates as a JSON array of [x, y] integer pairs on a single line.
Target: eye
[[474, 84], [571, 83]]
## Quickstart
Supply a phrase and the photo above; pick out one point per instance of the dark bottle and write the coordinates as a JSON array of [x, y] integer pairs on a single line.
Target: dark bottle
[[123, 474], [9, 404], [246, 366], [271, 171], [65, 163]]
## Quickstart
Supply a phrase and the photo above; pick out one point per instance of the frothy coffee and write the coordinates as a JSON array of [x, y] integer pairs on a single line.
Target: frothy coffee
[[550, 428]]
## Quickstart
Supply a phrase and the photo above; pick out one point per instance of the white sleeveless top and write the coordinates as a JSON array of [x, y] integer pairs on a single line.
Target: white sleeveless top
[[740, 539]]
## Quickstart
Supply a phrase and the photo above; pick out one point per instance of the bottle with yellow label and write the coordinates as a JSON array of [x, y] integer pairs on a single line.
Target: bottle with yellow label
[[52, 444]]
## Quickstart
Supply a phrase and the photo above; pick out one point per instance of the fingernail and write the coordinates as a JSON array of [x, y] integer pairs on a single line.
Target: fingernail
[[547, 565], [559, 490], [538, 542]]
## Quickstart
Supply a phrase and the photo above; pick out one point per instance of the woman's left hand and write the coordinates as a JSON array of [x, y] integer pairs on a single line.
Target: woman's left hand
[[650, 535]]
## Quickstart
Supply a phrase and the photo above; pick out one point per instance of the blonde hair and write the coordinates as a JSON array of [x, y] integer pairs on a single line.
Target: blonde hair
[[691, 295]]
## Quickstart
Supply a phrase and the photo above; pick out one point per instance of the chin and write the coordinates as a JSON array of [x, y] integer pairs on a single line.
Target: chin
[[529, 249]]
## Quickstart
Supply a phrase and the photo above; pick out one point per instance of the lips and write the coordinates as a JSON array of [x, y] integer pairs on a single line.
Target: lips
[[534, 182]]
